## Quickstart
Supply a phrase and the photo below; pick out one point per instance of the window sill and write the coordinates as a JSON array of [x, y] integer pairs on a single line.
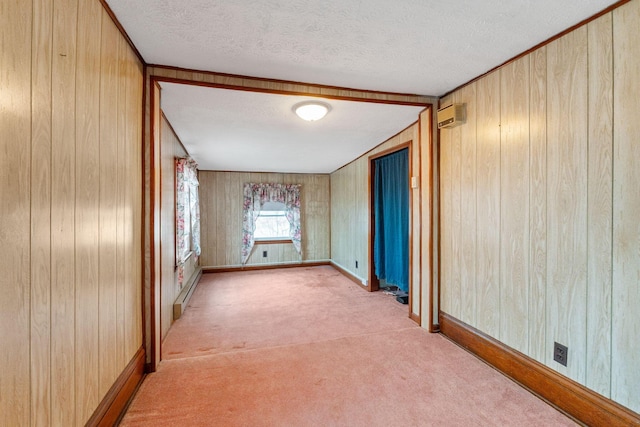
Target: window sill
[[189, 255], [272, 241]]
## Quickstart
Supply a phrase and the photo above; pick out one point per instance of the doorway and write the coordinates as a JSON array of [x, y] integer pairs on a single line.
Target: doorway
[[390, 224]]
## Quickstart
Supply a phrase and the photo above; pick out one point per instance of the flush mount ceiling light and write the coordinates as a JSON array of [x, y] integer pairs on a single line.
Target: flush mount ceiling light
[[311, 110]]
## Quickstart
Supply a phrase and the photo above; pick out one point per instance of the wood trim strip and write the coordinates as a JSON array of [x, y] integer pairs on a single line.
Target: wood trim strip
[[565, 394], [430, 149], [420, 217], [209, 270], [272, 242], [382, 143], [415, 317], [373, 283], [155, 126], [393, 149], [438, 225], [542, 44], [143, 212], [120, 28], [412, 315], [348, 275], [116, 401], [173, 130], [286, 82], [416, 103]]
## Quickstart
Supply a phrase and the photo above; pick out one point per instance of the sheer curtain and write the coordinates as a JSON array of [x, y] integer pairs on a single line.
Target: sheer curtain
[[187, 213], [391, 212], [255, 195]]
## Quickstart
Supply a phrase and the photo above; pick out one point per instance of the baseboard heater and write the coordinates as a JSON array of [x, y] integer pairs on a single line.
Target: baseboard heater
[[180, 305]]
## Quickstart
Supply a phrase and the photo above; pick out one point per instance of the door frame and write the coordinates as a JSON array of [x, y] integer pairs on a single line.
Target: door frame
[[373, 284]]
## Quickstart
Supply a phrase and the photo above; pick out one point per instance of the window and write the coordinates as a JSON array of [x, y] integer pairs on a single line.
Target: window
[[187, 214], [269, 201], [186, 236], [272, 223]]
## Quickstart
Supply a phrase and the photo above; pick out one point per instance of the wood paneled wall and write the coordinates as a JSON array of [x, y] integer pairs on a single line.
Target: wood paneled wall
[[70, 218], [221, 195], [170, 149], [540, 240], [350, 213]]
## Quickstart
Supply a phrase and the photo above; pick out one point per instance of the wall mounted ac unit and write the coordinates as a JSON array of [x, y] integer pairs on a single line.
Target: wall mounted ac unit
[[451, 116]]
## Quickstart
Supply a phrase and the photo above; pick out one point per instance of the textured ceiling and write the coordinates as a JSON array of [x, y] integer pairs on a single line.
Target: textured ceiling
[[251, 131], [424, 47]]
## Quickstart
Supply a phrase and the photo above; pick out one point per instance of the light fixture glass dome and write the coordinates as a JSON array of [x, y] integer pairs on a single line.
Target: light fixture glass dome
[[311, 110]]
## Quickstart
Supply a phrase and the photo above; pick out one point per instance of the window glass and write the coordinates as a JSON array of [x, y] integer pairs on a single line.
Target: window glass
[[272, 223]]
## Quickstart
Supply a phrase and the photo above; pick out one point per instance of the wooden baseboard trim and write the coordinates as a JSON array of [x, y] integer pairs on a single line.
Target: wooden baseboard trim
[[565, 394], [117, 399], [348, 275], [185, 295], [206, 270], [415, 317]]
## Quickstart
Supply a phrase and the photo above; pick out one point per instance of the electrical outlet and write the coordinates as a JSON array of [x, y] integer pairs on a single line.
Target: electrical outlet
[[264, 254], [356, 264], [560, 353]]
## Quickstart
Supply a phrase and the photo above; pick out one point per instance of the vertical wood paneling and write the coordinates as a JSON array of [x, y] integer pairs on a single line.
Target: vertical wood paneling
[[170, 149], [15, 131], [428, 194], [359, 202], [148, 143], [204, 216], [342, 212], [350, 209], [233, 194], [87, 165], [222, 195], [315, 211], [514, 203], [625, 357], [63, 214], [137, 164], [108, 366], [599, 214], [59, 117], [132, 231], [121, 183], [468, 214], [208, 210], [568, 229], [40, 213], [137, 201], [446, 259], [167, 227], [455, 175], [416, 273], [567, 199], [488, 205], [126, 202], [538, 204], [222, 232]]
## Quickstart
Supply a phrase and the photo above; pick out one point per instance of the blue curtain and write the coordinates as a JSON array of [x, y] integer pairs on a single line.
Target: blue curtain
[[391, 216]]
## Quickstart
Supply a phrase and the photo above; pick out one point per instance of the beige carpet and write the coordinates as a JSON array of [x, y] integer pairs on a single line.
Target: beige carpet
[[307, 347]]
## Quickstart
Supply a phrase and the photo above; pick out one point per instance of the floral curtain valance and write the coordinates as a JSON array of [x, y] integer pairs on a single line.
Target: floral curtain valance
[[255, 195], [187, 213]]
